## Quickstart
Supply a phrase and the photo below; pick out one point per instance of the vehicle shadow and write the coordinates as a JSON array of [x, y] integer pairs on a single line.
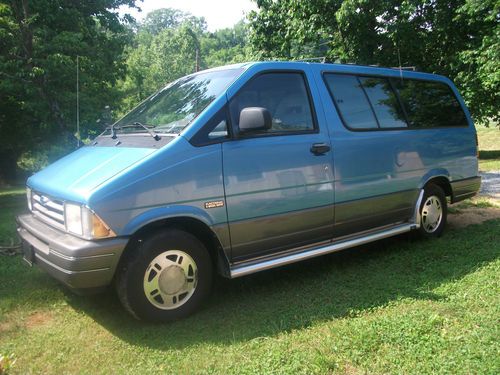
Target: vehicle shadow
[[317, 290]]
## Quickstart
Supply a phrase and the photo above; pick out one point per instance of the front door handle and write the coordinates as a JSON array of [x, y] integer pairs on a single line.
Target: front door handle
[[320, 148]]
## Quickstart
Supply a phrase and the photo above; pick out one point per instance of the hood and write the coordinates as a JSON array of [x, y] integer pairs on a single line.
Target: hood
[[76, 175]]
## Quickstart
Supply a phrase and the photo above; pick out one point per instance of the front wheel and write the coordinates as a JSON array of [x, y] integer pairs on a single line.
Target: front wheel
[[433, 212], [166, 277]]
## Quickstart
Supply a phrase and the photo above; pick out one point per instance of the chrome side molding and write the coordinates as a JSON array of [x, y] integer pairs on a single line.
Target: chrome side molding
[[252, 267], [416, 214]]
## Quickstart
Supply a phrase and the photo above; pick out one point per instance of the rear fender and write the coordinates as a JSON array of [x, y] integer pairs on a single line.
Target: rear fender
[[434, 173]]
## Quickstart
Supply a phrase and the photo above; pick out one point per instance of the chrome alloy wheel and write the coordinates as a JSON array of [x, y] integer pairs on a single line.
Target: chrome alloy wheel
[[170, 279], [432, 214]]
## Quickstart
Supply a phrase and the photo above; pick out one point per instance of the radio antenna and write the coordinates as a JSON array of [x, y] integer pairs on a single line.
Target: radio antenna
[[77, 102], [399, 61]]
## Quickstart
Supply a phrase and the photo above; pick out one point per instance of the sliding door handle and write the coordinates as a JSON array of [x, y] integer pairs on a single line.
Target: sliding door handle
[[320, 148]]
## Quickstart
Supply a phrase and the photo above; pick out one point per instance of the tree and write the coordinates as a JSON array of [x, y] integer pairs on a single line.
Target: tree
[[479, 72], [164, 48], [226, 46], [40, 41], [170, 44], [169, 18], [457, 38]]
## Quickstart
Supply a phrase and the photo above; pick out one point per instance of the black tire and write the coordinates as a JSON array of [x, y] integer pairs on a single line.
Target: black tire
[[132, 270], [426, 229]]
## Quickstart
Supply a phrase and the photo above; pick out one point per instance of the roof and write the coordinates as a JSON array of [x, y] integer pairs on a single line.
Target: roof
[[341, 68]]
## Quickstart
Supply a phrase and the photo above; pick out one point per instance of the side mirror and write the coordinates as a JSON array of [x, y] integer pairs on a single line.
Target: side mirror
[[255, 119]]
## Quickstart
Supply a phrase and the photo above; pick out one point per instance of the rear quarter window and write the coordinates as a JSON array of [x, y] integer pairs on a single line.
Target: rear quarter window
[[375, 102], [347, 94], [384, 102], [430, 104]]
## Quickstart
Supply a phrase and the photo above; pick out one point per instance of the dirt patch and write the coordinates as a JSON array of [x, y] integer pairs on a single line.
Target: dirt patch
[[38, 319], [472, 215], [351, 370], [6, 327], [13, 321]]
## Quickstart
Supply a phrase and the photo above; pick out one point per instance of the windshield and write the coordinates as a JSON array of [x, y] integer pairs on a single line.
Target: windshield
[[172, 108]]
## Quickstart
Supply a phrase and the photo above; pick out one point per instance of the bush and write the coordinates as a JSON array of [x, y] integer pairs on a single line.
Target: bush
[[34, 160]]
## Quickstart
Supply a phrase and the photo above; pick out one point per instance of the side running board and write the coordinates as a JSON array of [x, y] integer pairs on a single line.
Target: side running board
[[265, 264]]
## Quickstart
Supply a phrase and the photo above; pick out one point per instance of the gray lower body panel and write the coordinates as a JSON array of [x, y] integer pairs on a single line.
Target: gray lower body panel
[[332, 245], [78, 263], [466, 188], [368, 213], [273, 234], [269, 234]]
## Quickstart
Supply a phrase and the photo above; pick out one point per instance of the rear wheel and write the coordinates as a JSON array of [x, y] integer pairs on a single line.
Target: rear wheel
[[166, 277], [433, 212]]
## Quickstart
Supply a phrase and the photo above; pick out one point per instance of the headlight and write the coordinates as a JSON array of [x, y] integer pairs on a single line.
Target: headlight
[[82, 221], [73, 218], [28, 196]]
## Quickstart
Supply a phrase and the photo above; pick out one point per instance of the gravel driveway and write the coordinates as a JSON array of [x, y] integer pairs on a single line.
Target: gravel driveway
[[490, 184]]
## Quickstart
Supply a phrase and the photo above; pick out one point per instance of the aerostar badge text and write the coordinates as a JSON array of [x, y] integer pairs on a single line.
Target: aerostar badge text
[[214, 204]]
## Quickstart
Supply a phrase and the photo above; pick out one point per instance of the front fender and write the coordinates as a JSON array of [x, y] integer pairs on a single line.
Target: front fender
[[167, 212]]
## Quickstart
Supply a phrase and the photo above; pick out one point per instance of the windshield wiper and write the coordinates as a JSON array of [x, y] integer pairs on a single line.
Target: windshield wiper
[[113, 131], [148, 129], [134, 125]]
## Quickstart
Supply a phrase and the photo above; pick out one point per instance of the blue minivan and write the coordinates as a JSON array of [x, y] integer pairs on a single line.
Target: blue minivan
[[247, 167]]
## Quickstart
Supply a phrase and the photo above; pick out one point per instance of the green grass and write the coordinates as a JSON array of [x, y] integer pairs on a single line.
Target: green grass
[[12, 191], [475, 202], [489, 148], [489, 165], [489, 138], [12, 201], [395, 306]]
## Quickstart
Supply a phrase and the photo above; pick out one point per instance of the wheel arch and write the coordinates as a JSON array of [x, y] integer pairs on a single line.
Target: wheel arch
[[192, 225], [440, 178], [443, 183]]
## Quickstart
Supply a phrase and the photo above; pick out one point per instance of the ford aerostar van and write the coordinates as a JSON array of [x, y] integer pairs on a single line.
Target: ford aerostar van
[[247, 167]]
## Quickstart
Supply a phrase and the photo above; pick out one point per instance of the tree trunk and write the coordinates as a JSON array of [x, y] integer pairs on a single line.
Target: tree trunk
[[8, 167]]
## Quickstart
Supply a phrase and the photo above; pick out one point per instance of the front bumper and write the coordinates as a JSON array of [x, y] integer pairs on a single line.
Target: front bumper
[[78, 263]]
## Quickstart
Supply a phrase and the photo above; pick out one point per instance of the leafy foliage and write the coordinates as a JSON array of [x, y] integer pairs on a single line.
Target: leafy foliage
[[158, 59], [40, 42], [170, 44], [226, 46], [457, 38], [122, 61]]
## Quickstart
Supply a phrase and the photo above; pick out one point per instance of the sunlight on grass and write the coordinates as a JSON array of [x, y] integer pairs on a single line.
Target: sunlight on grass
[[489, 165], [489, 138], [6, 191], [394, 306], [475, 202], [489, 148]]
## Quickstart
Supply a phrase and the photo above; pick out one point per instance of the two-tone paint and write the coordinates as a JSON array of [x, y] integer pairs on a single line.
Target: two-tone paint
[[274, 196]]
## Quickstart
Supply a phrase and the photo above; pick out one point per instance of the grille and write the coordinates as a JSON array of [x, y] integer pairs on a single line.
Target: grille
[[48, 210]]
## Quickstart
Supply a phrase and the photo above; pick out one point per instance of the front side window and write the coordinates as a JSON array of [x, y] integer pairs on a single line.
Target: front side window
[[430, 104], [284, 95]]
